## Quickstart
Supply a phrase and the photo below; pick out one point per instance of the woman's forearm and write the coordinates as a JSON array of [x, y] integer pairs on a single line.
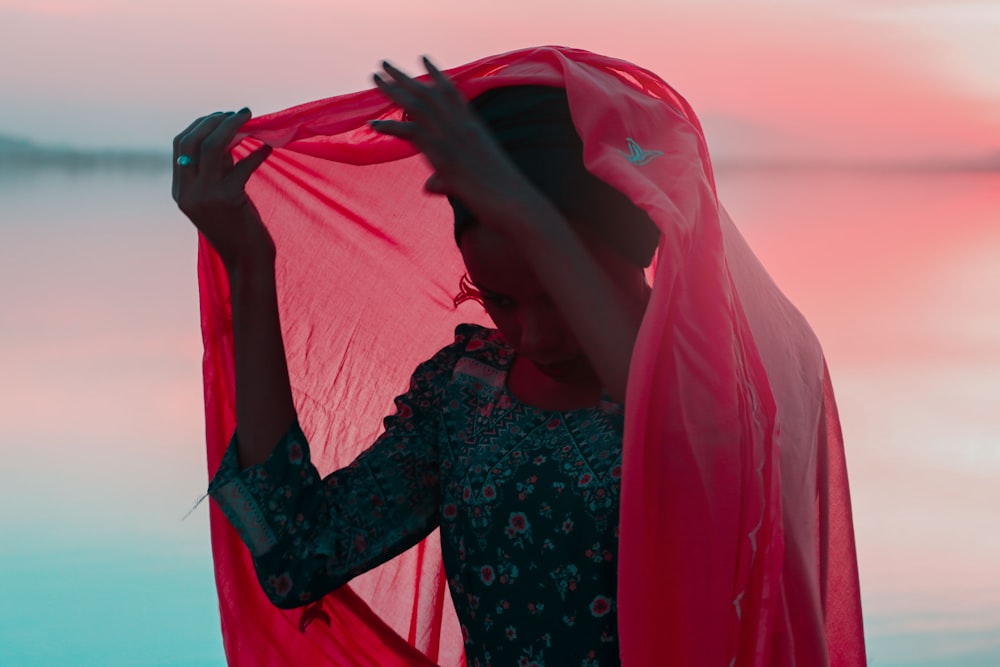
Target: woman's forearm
[[264, 407]]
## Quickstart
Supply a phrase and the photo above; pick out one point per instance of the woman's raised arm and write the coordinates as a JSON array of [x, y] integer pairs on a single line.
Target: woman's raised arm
[[211, 190]]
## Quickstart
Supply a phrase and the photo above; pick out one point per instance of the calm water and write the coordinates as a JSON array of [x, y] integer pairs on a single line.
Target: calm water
[[101, 426]]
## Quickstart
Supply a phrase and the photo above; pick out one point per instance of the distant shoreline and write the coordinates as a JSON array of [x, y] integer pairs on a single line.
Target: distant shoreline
[[19, 154], [76, 162], [158, 162]]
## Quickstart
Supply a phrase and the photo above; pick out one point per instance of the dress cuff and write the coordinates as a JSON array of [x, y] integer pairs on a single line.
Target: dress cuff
[[242, 494]]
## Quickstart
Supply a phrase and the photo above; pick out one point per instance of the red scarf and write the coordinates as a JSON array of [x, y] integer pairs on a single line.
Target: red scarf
[[736, 541]]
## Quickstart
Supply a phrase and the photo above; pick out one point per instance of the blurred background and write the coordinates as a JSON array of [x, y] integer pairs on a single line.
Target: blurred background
[[857, 145]]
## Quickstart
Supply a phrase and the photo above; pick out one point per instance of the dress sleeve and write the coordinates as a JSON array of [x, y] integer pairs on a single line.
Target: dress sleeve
[[309, 536]]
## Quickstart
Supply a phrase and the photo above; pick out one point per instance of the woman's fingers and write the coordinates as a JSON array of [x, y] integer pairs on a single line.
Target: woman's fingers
[[244, 169], [175, 184], [419, 100], [185, 131], [190, 143], [436, 184], [403, 80], [211, 179], [206, 143], [410, 103], [436, 119], [214, 153], [179, 171], [402, 129], [443, 83]]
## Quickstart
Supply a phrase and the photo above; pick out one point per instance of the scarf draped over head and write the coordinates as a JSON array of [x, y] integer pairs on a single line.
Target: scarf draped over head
[[534, 126], [736, 542]]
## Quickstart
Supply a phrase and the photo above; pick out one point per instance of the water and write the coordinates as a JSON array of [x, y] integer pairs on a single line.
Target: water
[[100, 426], [101, 423]]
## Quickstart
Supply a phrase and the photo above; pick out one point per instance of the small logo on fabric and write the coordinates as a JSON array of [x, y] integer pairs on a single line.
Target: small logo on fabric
[[636, 155]]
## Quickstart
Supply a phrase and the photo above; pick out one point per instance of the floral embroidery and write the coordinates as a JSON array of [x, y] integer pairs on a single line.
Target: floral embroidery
[[280, 584], [600, 606], [526, 499]]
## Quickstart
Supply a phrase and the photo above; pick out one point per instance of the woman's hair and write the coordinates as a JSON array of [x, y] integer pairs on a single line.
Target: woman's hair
[[534, 126]]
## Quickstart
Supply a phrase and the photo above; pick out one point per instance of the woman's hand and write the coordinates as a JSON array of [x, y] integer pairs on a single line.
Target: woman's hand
[[468, 162], [211, 190]]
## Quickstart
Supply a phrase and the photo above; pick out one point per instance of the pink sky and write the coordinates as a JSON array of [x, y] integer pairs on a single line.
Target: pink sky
[[773, 79]]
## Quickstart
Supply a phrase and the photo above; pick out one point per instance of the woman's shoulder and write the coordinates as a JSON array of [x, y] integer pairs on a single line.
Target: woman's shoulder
[[475, 337], [477, 351], [482, 356], [473, 345]]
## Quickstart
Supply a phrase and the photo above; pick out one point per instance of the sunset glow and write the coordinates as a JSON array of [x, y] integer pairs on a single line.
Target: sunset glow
[[775, 80]]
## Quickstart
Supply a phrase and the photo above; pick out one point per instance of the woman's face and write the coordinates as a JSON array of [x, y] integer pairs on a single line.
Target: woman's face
[[522, 310]]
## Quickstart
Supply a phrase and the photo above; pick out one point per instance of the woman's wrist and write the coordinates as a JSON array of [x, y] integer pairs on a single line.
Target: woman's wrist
[[254, 257], [251, 269]]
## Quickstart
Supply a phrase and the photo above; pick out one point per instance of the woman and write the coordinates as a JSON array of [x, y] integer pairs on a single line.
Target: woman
[[510, 440]]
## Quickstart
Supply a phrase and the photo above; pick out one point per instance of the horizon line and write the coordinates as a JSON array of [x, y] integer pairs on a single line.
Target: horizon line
[[21, 152]]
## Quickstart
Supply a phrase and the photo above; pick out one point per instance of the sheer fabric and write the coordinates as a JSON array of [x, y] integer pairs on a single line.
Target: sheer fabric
[[736, 542]]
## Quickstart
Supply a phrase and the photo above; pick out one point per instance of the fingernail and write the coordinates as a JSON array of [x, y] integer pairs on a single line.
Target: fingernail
[[244, 110]]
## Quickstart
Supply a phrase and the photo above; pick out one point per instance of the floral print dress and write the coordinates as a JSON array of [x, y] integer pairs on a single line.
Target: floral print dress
[[526, 500]]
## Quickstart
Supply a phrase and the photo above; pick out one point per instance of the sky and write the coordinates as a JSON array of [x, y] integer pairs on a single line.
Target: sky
[[773, 80], [897, 273]]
